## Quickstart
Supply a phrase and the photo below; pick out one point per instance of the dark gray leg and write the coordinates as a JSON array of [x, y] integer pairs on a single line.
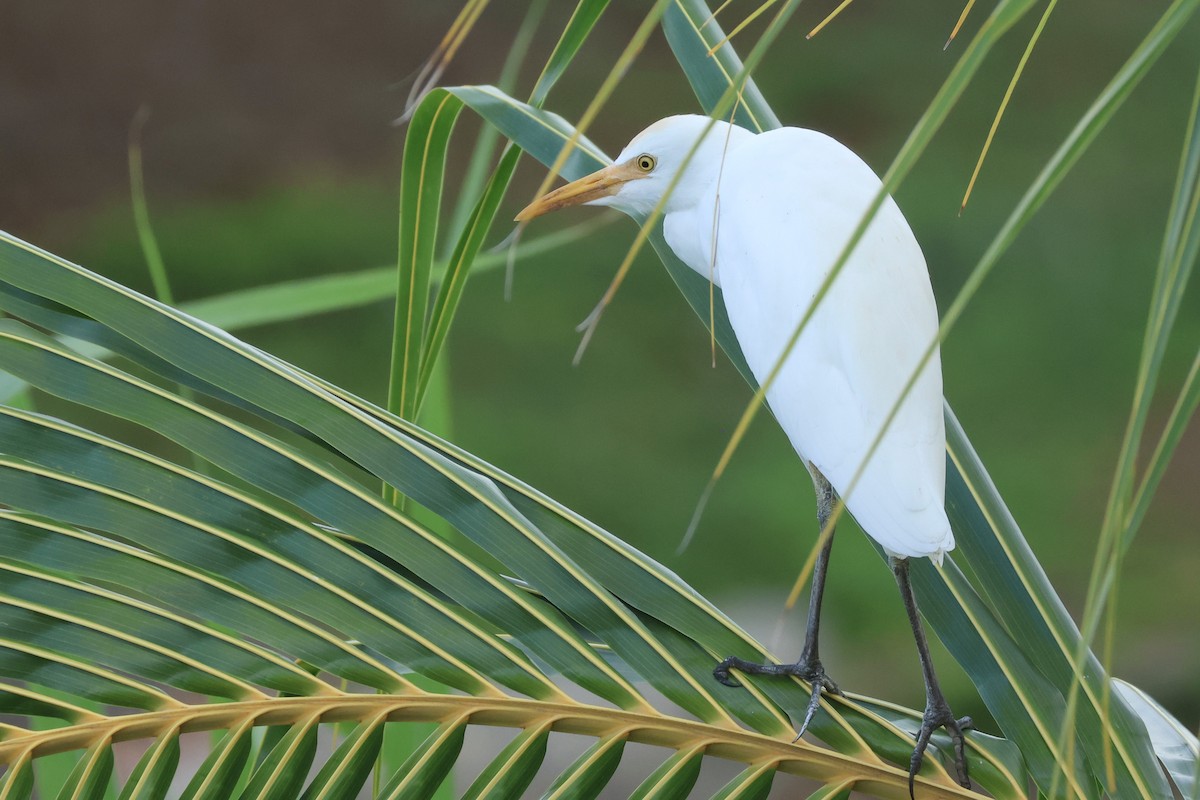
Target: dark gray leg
[[826, 501], [937, 710], [809, 665]]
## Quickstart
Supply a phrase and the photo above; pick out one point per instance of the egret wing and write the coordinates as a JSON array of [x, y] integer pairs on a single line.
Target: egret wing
[[789, 202]]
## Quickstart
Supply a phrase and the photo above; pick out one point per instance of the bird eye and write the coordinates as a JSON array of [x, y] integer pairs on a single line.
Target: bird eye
[[646, 162]]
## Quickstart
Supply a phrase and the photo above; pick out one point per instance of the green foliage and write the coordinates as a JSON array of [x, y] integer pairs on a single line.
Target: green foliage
[[130, 577]]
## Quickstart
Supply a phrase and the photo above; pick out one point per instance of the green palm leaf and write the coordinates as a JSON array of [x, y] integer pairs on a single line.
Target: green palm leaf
[[243, 564]]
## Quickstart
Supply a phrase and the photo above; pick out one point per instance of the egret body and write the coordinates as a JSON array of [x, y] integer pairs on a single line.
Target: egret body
[[765, 217]]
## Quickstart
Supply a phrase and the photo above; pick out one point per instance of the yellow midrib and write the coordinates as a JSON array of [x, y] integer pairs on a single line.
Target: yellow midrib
[[800, 758]]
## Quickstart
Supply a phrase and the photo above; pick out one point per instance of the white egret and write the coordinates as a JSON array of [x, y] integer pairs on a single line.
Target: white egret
[[765, 217]]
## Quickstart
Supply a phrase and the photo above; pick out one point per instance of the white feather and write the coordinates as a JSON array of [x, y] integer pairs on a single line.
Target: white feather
[[789, 201]]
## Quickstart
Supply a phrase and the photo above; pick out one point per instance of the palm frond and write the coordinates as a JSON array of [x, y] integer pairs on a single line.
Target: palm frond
[[96, 523]]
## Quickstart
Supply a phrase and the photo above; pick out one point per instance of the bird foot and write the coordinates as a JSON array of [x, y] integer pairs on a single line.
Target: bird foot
[[938, 715], [809, 670]]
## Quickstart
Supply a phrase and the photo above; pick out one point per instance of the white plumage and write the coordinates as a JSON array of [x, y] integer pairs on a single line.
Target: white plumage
[[787, 202]]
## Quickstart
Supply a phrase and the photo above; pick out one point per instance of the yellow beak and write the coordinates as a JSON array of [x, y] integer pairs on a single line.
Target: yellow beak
[[602, 183]]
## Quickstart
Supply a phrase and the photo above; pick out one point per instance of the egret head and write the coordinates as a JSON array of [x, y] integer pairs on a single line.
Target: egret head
[[646, 168]]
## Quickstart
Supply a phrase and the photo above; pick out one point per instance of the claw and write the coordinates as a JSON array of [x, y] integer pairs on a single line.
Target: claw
[[940, 717], [810, 671], [821, 684], [721, 671]]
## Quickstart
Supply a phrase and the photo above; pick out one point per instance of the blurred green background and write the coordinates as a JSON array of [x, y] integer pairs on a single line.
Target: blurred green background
[[270, 154]]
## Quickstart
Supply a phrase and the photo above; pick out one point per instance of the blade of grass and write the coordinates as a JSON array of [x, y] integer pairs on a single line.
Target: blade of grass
[[741, 26], [582, 21], [141, 218], [431, 71], [141, 212], [1012, 84], [821, 25], [485, 142], [1181, 414], [425, 150], [1176, 259], [477, 227], [1181, 241], [304, 297], [958, 25], [450, 292]]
